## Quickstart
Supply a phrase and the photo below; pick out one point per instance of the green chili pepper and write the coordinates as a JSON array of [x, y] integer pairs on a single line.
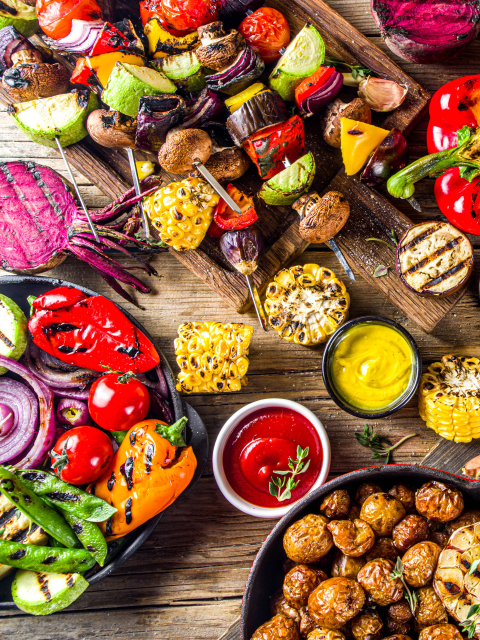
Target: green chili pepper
[[35, 508], [89, 535], [48, 559], [118, 436], [66, 496]]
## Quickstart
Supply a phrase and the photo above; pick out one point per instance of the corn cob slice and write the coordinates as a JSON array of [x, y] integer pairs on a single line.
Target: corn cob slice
[[213, 357], [306, 304], [181, 212], [449, 398]]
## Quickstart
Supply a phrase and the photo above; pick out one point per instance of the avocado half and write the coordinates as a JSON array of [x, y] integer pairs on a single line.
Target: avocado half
[[62, 116], [21, 16]]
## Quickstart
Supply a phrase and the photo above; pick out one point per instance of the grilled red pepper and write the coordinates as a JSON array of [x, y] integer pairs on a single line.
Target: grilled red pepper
[[454, 146], [84, 74], [89, 332], [111, 39], [271, 146], [229, 220], [312, 83]]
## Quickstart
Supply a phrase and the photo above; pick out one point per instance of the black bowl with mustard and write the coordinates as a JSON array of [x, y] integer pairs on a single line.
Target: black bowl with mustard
[[371, 367]]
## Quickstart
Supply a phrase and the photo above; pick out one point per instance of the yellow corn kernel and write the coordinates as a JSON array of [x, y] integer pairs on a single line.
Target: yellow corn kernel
[[212, 357]]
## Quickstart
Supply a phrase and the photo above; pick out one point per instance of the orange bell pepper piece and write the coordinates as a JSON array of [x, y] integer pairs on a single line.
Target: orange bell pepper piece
[[145, 477]]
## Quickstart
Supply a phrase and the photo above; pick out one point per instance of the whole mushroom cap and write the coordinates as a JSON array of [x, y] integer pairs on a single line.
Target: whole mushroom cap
[[322, 218], [182, 148]]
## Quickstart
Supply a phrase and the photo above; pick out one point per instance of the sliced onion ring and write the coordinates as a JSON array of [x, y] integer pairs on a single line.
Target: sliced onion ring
[[23, 404], [55, 373]]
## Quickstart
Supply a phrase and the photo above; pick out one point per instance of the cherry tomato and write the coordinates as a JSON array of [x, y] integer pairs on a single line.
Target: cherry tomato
[[153, 9], [118, 401], [55, 16], [266, 30], [81, 455]]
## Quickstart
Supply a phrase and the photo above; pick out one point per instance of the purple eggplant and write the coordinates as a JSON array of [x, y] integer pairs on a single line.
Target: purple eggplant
[[156, 116], [388, 158], [243, 248]]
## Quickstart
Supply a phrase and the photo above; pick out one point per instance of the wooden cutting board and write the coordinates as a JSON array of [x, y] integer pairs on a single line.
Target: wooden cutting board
[[371, 214], [446, 455]]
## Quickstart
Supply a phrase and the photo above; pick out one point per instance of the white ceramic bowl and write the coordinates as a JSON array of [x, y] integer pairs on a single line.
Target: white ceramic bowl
[[231, 424]]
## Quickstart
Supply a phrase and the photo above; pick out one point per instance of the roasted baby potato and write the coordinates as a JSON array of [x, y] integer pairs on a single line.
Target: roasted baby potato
[[440, 538], [307, 623], [409, 531], [420, 562], [382, 511], [299, 584], [440, 632], [439, 502], [469, 516], [398, 628], [375, 578], [345, 566], [280, 626], [308, 539], [429, 609], [322, 633], [383, 548], [366, 626], [335, 602], [353, 538], [405, 494], [278, 604], [400, 611], [336, 505], [365, 490]]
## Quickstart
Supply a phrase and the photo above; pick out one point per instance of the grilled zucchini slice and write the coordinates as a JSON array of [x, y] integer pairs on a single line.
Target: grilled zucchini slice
[[434, 258], [306, 304]]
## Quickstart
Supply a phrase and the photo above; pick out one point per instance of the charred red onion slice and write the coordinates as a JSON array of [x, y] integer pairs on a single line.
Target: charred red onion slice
[[325, 94], [54, 373], [247, 66], [206, 108], [23, 406], [81, 38]]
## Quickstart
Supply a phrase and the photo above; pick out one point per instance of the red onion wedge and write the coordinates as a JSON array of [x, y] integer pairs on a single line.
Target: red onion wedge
[[73, 413], [325, 94], [22, 403], [81, 38], [7, 419], [56, 374], [15, 443]]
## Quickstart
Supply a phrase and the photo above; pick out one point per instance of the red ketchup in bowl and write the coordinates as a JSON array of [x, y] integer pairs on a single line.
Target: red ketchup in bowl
[[261, 444]]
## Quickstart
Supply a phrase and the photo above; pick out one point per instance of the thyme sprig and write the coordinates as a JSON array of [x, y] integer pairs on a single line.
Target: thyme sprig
[[470, 623], [393, 237], [379, 445], [411, 596], [357, 70], [281, 488]]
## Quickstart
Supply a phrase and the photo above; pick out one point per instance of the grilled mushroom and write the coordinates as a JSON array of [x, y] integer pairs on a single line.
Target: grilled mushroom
[[112, 129], [357, 109], [27, 81], [321, 218], [182, 148], [227, 164], [218, 49]]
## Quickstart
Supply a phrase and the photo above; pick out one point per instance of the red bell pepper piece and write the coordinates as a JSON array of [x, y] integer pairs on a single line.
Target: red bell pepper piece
[[312, 83], [269, 148], [111, 39], [84, 74], [458, 200], [214, 230], [89, 332], [228, 219]]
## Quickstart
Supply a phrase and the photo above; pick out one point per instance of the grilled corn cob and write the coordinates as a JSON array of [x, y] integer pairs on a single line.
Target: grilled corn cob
[[212, 356], [449, 398], [306, 304], [181, 212]]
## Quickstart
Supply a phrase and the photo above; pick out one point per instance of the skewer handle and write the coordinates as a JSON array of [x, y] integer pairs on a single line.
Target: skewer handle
[[217, 186], [341, 258], [136, 184], [257, 303]]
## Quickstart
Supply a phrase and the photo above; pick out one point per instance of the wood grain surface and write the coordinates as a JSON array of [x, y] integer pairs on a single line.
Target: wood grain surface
[[186, 583]]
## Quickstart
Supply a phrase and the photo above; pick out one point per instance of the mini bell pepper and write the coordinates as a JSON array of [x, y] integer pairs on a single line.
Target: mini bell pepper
[[147, 474], [229, 220], [270, 147], [90, 332]]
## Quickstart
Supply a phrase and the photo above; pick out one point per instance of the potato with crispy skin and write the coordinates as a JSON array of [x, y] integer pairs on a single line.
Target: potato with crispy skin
[[345, 566], [440, 632], [429, 609], [383, 548], [336, 504], [382, 511], [400, 611], [335, 602], [405, 494], [280, 627], [375, 578], [469, 516], [278, 604], [398, 628], [366, 626], [439, 502], [420, 562], [299, 584], [365, 490], [409, 531], [353, 538], [322, 633], [307, 623], [308, 539]]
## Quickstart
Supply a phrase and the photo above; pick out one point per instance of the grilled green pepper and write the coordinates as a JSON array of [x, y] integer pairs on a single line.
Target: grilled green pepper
[[49, 559], [89, 535], [35, 508], [66, 496]]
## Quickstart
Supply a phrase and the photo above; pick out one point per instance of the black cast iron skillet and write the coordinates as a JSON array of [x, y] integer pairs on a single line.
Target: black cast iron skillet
[[18, 288], [266, 575]]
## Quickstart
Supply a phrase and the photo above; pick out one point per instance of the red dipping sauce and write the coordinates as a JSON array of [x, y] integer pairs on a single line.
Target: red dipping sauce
[[262, 443]]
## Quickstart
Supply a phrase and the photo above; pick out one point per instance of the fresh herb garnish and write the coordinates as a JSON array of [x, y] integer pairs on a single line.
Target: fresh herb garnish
[[411, 596], [473, 567], [379, 445], [295, 467], [357, 70], [381, 270], [393, 237], [470, 623]]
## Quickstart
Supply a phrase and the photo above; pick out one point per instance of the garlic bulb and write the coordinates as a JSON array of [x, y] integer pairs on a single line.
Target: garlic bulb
[[380, 94]]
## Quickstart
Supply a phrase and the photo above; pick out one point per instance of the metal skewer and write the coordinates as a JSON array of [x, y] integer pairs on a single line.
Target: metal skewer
[[257, 303], [79, 195], [216, 185], [341, 258], [136, 184]]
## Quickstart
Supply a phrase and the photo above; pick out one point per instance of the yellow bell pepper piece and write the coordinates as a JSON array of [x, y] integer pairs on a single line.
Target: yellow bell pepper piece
[[358, 140], [145, 168], [161, 43], [236, 101]]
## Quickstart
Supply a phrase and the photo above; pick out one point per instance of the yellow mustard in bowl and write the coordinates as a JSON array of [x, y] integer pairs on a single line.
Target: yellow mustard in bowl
[[371, 366]]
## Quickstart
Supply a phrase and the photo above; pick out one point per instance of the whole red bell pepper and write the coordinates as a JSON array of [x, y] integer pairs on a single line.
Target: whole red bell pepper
[[90, 332], [453, 140]]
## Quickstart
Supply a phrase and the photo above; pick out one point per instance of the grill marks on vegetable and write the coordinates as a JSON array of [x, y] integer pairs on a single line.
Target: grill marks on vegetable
[[127, 471], [128, 510]]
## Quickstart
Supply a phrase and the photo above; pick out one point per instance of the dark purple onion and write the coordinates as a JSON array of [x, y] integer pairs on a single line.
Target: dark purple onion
[[206, 108], [42, 443], [22, 404], [159, 407], [247, 66], [156, 116], [325, 94], [73, 413], [56, 374], [76, 394], [7, 419]]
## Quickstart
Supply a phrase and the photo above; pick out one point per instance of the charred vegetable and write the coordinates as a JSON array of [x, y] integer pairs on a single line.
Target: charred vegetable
[[262, 110], [112, 129], [228, 164], [387, 158], [230, 220], [162, 43], [319, 89], [218, 49], [243, 248], [434, 259], [417, 34], [322, 218], [184, 70], [246, 67], [355, 110], [30, 81], [206, 109], [285, 187], [11, 42], [182, 148], [156, 116]]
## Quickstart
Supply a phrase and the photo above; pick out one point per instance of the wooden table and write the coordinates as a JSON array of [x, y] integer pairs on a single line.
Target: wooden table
[[187, 581]]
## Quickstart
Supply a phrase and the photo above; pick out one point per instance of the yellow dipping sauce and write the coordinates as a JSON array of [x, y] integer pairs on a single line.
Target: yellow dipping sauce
[[371, 366]]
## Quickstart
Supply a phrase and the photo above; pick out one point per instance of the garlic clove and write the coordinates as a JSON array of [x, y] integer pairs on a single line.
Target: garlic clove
[[380, 94]]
